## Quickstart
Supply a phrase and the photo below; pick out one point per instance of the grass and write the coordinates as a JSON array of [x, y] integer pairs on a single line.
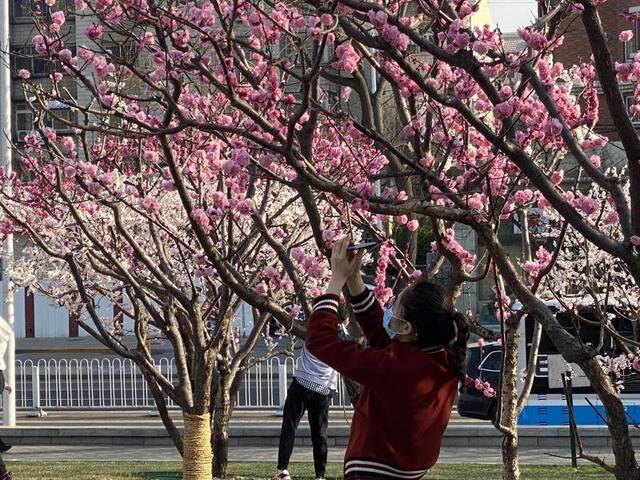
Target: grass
[[168, 471]]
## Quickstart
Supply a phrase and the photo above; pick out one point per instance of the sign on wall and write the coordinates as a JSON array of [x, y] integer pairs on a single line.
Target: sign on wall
[[557, 366]]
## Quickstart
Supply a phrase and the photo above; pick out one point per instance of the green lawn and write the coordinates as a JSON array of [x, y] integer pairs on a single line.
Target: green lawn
[[167, 471]]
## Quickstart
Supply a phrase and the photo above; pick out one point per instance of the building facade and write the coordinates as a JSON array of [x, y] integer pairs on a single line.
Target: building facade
[[576, 49], [36, 315]]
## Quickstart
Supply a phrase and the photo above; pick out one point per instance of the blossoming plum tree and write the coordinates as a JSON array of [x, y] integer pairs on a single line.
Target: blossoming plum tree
[[213, 120]]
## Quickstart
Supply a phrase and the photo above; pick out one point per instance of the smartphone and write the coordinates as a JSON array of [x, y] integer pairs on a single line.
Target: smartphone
[[362, 246]]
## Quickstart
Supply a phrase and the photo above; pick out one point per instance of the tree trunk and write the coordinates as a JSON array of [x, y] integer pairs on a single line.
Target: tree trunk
[[573, 351], [510, 459], [197, 459], [509, 392], [4, 473], [222, 410], [161, 405], [626, 467], [220, 436]]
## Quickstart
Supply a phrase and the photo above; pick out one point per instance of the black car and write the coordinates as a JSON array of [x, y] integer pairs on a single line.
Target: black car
[[483, 362]]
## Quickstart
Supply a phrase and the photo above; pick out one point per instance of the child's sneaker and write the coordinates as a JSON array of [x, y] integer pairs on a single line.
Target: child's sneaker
[[283, 475]]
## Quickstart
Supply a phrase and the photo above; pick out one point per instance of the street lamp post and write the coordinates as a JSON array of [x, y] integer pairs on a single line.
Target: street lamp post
[[9, 399]]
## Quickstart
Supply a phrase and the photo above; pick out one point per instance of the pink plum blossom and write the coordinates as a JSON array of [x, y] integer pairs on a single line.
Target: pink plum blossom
[[94, 32], [553, 127], [577, 8], [347, 58], [611, 218], [151, 205], [201, 218], [67, 144], [412, 225], [625, 35], [58, 18], [503, 110], [587, 204], [557, 177]]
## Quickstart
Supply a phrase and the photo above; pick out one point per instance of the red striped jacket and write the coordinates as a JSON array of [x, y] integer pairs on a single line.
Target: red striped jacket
[[407, 394]]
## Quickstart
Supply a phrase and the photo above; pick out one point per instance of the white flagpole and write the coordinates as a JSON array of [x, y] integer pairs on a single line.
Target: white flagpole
[[9, 400]]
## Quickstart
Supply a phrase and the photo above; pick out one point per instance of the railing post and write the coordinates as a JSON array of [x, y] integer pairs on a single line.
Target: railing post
[[35, 390], [282, 387]]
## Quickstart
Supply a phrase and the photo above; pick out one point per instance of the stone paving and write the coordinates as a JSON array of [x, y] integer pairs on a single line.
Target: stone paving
[[267, 454]]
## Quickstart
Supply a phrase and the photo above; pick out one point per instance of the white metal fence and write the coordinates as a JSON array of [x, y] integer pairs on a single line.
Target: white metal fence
[[115, 383]]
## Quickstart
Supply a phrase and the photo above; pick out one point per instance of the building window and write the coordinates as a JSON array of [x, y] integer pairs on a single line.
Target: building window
[[287, 49], [27, 9], [26, 58], [60, 115], [329, 52], [633, 46], [629, 99], [332, 97], [38, 65], [23, 119], [23, 9]]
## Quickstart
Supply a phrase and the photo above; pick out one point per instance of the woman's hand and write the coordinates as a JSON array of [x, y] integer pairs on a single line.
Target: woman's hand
[[345, 265]]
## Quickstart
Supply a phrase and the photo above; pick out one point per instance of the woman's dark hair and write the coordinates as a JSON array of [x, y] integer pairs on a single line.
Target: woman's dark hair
[[430, 309]]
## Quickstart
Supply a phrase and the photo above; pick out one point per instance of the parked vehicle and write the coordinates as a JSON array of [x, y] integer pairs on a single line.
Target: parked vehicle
[[547, 404]]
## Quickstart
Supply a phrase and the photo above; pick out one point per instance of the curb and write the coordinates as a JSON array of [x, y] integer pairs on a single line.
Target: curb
[[459, 436]]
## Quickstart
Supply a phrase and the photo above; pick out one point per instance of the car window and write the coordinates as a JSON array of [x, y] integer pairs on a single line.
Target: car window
[[491, 362]]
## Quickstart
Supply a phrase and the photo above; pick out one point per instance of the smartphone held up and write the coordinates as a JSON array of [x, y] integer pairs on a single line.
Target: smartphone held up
[[362, 246]]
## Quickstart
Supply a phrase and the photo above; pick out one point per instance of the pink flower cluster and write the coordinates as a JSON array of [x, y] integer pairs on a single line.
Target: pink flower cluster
[[522, 197], [347, 58], [553, 127], [502, 305], [392, 35], [57, 20], [203, 269], [535, 267], [477, 201], [503, 110], [484, 387], [535, 40], [94, 32], [587, 204], [611, 218], [451, 244], [201, 218], [275, 280], [313, 266], [456, 37], [557, 177], [151, 205], [381, 291], [625, 36]]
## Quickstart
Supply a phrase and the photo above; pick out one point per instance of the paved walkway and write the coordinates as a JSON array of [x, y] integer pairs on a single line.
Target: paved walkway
[[266, 454], [142, 418]]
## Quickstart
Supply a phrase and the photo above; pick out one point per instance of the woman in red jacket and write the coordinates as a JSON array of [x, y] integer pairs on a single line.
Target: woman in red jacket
[[409, 371]]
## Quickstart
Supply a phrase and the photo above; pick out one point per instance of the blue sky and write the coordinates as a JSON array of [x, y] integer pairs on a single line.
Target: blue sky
[[511, 14]]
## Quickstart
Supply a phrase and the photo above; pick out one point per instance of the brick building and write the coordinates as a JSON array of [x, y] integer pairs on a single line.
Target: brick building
[[576, 48]]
